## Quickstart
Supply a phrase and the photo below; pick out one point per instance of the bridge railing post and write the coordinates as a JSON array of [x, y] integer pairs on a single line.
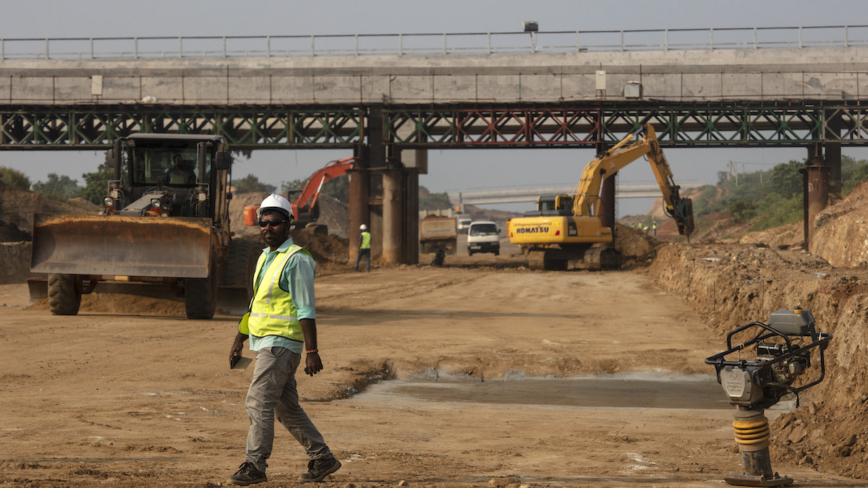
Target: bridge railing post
[[488, 36], [711, 39], [2, 49], [135, 48], [400, 44], [91, 48], [800, 37], [180, 47], [846, 36], [268, 45], [754, 39], [224, 46], [666, 39], [357, 44], [312, 45], [47, 55], [444, 43], [622, 41]]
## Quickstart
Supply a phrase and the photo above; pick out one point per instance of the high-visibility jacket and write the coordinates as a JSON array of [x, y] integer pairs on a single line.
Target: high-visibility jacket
[[366, 240], [272, 311]]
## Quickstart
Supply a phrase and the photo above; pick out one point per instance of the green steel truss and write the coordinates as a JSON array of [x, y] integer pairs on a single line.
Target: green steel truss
[[79, 127], [458, 126], [746, 124]]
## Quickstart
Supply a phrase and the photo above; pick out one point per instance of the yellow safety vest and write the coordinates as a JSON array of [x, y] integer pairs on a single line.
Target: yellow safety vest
[[366, 240], [272, 312]]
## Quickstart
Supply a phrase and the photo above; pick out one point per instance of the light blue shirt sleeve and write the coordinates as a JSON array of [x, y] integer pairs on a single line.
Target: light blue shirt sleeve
[[297, 279]]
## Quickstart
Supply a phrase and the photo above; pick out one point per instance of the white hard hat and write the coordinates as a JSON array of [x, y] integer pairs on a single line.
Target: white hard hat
[[275, 202], [363, 227]]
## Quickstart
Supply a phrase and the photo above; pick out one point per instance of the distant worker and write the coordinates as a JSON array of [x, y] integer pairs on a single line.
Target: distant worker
[[654, 227], [645, 229], [281, 325], [439, 257], [364, 248], [178, 174]]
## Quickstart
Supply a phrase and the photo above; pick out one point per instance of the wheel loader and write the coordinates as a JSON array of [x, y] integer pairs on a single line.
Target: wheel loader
[[163, 232]]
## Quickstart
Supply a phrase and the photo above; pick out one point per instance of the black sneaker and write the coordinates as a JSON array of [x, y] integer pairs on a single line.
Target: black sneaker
[[318, 469], [247, 474]]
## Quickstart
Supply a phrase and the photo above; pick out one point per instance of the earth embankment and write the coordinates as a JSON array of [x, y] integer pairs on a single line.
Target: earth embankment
[[731, 285]]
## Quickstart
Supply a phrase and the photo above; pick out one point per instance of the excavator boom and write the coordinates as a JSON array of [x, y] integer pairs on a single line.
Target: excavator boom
[[306, 201], [587, 192]]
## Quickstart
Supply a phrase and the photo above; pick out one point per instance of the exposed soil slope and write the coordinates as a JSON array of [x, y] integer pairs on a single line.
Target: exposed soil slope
[[841, 231], [737, 284]]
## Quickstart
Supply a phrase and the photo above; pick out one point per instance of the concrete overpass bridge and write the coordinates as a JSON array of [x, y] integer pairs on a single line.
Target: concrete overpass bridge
[[390, 98]]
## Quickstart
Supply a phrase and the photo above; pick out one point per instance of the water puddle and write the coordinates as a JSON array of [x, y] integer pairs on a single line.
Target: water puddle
[[632, 390]]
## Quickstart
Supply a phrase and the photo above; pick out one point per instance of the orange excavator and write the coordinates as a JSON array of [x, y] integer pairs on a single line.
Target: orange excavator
[[304, 207]]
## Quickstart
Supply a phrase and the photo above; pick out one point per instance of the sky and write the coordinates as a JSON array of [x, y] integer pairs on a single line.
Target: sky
[[449, 170]]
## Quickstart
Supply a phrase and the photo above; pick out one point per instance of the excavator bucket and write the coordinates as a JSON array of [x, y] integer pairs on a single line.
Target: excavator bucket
[[683, 216], [177, 247]]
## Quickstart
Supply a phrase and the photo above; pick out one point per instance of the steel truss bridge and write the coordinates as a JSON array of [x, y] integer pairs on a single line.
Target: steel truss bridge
[[735, 124]]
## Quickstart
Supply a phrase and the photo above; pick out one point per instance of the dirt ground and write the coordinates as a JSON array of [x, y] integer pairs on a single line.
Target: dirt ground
[[129, 393], [144, 397]]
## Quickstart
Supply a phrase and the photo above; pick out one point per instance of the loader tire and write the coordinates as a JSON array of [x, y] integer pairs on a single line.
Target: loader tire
[[64, 294], [241, 264], [200, 295]]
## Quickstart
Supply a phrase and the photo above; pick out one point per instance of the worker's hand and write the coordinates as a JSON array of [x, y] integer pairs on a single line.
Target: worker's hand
[[312, 363], [237, 345]]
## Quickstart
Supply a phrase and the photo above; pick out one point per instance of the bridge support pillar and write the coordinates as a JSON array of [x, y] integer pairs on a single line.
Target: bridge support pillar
[[832, 150], [393, 215], [816, 186], [359, 194], [607, 204], [607, 200], [415, 162]]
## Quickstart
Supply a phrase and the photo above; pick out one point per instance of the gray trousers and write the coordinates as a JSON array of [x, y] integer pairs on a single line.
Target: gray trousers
[[273, 392], [367, 254]]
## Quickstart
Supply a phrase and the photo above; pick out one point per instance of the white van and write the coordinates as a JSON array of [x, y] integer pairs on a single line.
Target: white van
[[463, 223], [483, 237]]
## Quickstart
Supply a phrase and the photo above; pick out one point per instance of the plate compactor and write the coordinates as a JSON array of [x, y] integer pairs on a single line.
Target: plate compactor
[[761, 371]]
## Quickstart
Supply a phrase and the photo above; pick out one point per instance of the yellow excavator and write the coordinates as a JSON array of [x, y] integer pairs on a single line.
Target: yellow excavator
[[564, 228]]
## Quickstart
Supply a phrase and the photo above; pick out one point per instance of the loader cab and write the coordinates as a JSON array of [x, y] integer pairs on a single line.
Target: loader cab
[[171, 175]]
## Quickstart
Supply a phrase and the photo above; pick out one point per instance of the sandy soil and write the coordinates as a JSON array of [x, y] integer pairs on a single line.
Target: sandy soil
[[140, 398]]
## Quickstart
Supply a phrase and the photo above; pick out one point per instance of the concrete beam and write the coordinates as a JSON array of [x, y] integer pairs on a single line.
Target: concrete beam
[[767, 75]]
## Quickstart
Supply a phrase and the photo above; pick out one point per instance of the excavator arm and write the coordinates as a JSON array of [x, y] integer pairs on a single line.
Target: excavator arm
[[306, 201], [587, 193]]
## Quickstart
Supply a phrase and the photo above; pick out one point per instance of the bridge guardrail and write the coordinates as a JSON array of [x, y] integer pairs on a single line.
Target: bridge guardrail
[[434, 43]]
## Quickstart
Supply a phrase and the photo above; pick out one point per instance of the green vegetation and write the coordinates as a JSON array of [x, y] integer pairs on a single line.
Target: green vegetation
[[432, 201], [57, 187], [250, 184], [96, 184], [14, 178], [770, 198]]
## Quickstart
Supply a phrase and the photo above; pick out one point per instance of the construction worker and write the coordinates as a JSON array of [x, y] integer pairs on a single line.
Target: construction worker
[[645, 229], [281, 325], [178, 174], [364, 248], [654, 227]]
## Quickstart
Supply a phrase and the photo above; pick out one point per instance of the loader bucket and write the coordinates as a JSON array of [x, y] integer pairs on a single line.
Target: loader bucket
[[176, 247]]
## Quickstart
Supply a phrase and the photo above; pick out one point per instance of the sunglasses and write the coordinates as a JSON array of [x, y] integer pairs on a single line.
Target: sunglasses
[[272, 222]]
